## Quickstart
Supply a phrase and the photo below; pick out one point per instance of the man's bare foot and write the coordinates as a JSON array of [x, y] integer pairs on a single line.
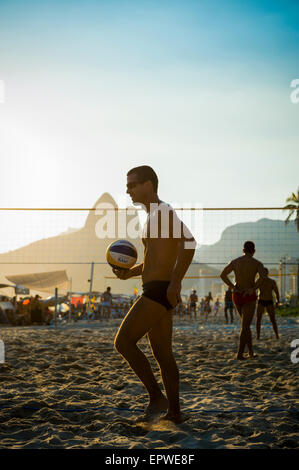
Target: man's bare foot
[[156, 407], [240, 357], [178, 418], [252, 356]]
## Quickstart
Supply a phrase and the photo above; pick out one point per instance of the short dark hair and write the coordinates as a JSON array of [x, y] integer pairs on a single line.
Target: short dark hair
[[145, 173], [267, 270], [249, 247]]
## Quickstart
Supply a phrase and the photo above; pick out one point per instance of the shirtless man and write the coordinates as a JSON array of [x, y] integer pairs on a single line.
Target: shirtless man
[[216, 307], [244, 297], [208, 308], [192, 303], [228, 305], [106, 303], [166, 260], [266, 302]]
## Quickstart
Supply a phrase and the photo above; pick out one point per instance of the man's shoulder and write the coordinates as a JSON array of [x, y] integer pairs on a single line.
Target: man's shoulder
[[236, 260], [257, 261]]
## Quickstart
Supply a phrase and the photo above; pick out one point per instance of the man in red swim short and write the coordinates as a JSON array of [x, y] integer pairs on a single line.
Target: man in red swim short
[[245, 269]]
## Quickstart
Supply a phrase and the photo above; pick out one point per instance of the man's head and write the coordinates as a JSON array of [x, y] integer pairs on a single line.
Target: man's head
[[249, 248], [108, 289], [267, 271], [142, 182]]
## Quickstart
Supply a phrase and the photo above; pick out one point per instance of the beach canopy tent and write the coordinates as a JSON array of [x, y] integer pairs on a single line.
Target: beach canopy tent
[[6, 306], [44, 282]]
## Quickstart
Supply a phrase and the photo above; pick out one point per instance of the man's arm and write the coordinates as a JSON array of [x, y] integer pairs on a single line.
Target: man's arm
[[184, 259], [128, 273], [183, 262], [275, 288], [262, 276], [186, 250], [224, 275]]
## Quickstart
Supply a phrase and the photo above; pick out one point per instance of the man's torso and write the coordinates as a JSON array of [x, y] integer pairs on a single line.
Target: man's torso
[[107, 297], [266, 289], [245, 269], [160, 246]]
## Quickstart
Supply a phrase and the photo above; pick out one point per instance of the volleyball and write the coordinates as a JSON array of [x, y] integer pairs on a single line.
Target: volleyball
[[121, 254]]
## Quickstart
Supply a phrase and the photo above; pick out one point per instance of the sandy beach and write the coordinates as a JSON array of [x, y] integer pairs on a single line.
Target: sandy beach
[[68, 388]]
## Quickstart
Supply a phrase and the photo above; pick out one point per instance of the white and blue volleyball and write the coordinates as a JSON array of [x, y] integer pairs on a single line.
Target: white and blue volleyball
[[121, 254]]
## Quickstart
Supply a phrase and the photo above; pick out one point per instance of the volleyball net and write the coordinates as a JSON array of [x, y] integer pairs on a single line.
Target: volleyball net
[[74, 240]]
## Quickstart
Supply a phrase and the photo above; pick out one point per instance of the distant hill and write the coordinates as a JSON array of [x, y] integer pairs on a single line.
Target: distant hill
[[273, 240]]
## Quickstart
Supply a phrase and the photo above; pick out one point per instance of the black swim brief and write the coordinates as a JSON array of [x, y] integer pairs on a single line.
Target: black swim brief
[[157, 291], [265, 303]]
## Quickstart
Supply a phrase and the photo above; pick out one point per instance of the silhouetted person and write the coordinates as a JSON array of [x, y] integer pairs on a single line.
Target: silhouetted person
[[166, 260], [192, 302], [228, 305], [208, 308], [107, 303], [244, 296], [266, 302], [216, 307], [36, 311]]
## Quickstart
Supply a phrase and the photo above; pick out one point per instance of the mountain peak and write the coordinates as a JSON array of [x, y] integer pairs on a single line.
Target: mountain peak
[[105, 198]]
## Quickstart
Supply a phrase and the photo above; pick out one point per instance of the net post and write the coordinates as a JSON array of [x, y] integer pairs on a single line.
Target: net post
[[90, 287], [70, 302], [55, 312]]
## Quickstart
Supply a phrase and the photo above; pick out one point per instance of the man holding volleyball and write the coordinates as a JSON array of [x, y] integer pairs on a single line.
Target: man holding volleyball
[[168, 251]]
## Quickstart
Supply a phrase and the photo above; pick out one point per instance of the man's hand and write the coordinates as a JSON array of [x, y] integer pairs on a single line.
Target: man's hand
[[174, 293], [249, 291], [122, 273]]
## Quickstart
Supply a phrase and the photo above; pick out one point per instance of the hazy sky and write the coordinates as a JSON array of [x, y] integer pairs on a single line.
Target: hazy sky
[[199, 90]]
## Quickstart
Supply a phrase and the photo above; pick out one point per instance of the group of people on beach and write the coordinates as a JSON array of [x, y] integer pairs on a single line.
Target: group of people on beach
[[265, 302], [204, 308], [25, 311]]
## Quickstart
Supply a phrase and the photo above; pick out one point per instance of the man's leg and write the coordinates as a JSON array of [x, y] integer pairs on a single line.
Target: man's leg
[[225, 313], [144, 315], [259, 314], [245, 334], [231, 311], [271, 313], [160, 337]]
